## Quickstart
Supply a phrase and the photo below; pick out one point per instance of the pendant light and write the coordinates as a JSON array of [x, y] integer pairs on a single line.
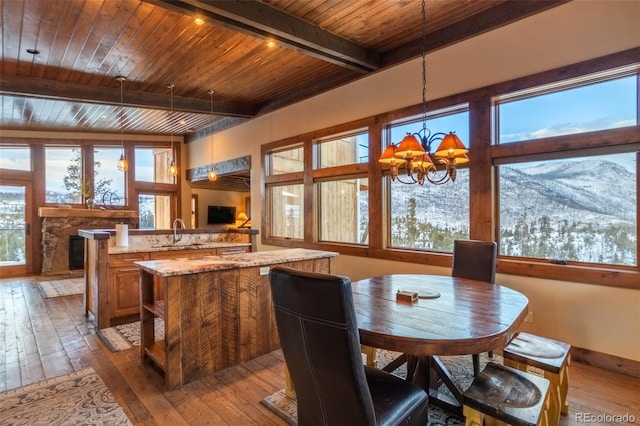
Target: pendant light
[[212, 176], [123, 166], [173, 169]]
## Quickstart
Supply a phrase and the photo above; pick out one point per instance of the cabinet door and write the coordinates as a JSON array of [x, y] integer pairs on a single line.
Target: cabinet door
[[125, 291]]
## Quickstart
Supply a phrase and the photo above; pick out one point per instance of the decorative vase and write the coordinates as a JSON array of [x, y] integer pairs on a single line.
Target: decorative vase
[[90, 203]]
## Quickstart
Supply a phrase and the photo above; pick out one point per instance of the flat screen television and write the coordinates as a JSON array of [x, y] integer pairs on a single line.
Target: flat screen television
[[221, 215]]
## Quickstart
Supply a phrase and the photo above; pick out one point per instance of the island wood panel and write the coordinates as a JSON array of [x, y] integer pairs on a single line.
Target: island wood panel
[[213, 320]]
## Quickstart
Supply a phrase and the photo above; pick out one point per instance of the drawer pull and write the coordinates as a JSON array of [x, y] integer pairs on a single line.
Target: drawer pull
[[128, 269]]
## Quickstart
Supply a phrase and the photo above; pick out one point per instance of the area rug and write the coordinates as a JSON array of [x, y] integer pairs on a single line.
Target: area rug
[[79, 398], [65, 287], [460, 367], [127, 336]]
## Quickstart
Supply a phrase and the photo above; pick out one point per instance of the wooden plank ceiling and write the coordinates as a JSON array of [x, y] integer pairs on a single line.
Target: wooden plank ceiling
[[84, 44]]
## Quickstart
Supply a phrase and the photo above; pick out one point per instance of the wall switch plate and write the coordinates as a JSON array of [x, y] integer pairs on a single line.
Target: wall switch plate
[[529, 318], [264, 270]]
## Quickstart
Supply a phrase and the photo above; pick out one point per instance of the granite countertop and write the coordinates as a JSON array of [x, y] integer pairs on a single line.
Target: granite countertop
[[195, 265], [143, 248]]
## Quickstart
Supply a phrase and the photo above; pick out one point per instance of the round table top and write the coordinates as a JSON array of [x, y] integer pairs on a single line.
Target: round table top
[[468, 317]]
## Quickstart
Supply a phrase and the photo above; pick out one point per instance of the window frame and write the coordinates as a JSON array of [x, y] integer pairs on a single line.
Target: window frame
[[482, 175]]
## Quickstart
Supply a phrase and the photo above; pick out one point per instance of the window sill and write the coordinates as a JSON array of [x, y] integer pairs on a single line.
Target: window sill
[[625, 277]]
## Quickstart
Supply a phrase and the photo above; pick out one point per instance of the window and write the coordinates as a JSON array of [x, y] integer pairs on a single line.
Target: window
[[343, 210], [596, 106], [155, 211], [63, 175], [349, 149], [566, 201], [288, 160], [578, 209], [553, 179], [428, 216], [15, 157], [152, 165], [109, 182], [286, 211]]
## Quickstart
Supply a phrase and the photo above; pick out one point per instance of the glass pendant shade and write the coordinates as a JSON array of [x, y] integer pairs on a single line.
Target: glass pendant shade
[[123, 166], [212, 176], [173, 169]]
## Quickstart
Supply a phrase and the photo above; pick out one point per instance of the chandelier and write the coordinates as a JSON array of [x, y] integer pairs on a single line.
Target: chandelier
[[414, 155]]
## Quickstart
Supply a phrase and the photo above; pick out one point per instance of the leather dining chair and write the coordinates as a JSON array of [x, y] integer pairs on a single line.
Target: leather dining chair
[[475, 260], [316, 322]]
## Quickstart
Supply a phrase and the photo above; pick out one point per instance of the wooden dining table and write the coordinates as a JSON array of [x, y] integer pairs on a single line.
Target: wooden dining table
[[452, 316]]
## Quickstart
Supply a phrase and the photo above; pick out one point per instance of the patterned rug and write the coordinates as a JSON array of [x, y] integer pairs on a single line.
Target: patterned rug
[[79, 398], [460, 368], [59, 288], [127, 336]]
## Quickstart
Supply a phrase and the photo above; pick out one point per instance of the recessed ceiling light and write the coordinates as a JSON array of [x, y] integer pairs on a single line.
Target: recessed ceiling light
[[198, 21], [33, 51]]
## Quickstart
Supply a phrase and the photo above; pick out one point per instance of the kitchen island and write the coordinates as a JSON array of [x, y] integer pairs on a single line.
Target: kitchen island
[[112, 295], [217, 310]]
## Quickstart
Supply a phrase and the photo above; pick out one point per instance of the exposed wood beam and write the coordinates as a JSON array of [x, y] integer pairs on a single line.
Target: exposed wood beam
[[493, 18], [490, 19], [261, 20], [35, 87]]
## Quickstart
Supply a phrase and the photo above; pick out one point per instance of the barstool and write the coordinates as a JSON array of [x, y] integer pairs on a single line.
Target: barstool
[[550, 356], [506, 395]]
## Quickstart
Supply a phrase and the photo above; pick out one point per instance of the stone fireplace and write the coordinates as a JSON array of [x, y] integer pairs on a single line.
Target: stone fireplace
[[58, 225]]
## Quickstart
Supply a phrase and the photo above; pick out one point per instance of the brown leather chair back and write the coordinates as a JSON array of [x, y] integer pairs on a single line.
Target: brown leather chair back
[[475, 260], [316, 321], [318, 333]]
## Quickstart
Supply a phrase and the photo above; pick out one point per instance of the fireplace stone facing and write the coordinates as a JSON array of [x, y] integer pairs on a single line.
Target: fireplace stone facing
[[59, 224]]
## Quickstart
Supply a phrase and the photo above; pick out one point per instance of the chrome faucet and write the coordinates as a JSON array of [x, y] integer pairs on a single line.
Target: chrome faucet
[[177, 237]]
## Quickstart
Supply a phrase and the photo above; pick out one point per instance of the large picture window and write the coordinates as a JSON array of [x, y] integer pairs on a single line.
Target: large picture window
[[63, 175], [428, 216], [577, 209], [286, 211]]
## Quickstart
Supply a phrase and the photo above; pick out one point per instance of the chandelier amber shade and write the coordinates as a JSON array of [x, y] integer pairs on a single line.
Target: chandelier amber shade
[[409, 147], [451, 147]]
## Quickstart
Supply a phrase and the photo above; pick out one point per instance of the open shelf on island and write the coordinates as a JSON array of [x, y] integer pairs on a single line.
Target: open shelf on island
[[156, 352], [157, 308]]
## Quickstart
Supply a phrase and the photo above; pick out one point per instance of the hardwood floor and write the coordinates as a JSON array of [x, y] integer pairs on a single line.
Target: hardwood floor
[[43, 338]]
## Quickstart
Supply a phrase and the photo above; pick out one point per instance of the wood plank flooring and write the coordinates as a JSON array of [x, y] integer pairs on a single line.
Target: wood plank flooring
[[43, 338]]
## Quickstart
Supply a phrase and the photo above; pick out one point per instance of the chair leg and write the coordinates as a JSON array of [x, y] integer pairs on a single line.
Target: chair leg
[[472, 417], [370, 353], [476, 364]]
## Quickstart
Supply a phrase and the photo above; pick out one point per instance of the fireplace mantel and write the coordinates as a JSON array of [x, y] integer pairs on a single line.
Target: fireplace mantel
[[93, 213]]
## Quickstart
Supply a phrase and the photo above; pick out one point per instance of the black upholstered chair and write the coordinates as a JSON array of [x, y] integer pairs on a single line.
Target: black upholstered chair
[[316, 322], [475, 260]]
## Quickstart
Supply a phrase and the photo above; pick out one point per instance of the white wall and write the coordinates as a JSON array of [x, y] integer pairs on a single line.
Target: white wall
[[598, 318]]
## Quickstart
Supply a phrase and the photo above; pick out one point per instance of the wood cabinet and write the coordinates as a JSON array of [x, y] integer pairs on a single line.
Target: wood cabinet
[[124, 288]]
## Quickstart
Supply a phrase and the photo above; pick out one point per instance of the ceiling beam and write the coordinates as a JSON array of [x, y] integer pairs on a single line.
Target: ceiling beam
[[49, 89], [490, 19], [263, 21]]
